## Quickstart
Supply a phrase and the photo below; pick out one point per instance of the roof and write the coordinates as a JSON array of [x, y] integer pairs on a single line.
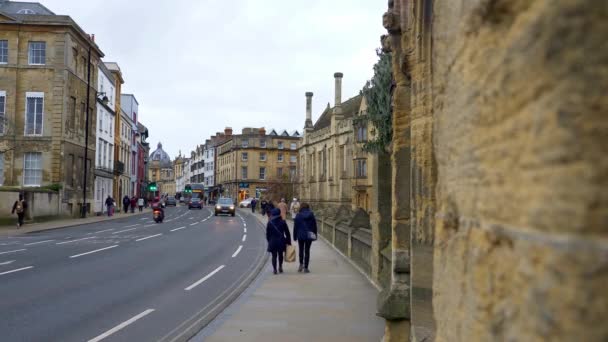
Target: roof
[[161, 156], [106, 72], [19, 7], [349, 109]]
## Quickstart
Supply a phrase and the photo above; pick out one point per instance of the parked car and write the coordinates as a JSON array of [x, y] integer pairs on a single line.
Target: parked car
[[246, 203], [195, 202], [225, 206], [171, 201]]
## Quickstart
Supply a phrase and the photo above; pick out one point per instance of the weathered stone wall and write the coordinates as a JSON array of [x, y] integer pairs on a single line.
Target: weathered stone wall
[[521, 138]]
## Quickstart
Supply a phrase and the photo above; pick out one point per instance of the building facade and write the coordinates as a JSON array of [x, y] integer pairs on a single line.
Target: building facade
[[104, 166], [130, 108], [179, 173], [119, 164], [143, 151], [257, 164], [44, 81], [161, 172]]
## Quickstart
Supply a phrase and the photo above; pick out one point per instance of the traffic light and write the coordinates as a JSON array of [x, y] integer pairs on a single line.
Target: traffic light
[[188, 189], [152, 187]]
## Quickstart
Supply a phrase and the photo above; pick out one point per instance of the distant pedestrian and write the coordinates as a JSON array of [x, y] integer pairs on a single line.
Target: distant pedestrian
[[283, 207], [278, 237], [140, 204], [269, 207], [305, 232], [133, 204], [110, 205], [125, 203], [294, 208], [263, 205], [19, 208], [253, 203]]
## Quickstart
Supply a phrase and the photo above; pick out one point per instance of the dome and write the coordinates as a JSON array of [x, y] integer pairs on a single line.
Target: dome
[[161, 156]]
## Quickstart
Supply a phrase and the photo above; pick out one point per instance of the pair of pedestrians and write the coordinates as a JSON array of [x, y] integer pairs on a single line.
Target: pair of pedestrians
[[278, 237]]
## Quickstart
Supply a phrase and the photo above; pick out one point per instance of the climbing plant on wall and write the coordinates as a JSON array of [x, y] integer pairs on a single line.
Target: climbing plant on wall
[[377, 93]]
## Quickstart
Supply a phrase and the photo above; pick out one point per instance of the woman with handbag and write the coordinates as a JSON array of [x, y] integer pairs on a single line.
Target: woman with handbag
[[305, 232], [278, 237]]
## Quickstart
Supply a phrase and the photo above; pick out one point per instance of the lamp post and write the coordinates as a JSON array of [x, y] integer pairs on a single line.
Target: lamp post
[[86, 137]]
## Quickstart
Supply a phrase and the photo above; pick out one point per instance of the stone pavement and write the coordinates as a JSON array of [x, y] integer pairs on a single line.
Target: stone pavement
[[332, 303], [61, 223]]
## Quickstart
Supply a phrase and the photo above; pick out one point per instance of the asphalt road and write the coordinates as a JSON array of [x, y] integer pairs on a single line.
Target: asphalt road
[[123, 280]]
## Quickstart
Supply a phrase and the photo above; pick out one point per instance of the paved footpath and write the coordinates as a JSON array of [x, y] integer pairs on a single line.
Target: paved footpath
[[332, 303]]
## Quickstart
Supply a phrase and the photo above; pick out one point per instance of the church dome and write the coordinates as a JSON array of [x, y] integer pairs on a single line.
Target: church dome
[[161, 156]]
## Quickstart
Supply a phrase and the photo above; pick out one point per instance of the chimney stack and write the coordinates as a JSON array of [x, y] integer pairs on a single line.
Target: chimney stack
[[262, 131], [338, 81], [228, 131], [308, 122]]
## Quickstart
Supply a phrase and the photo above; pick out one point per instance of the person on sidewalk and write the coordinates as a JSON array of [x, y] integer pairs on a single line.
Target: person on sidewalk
[[294, 208], [263, 205], [133, 204], [125, 203], [305, 232], [109, 205], [283, 207], [278, 237], [140, 204], [253, 203], [269, 207], [19, 207]]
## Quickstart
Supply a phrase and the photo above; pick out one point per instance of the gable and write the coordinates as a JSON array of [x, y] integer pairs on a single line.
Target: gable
[[5, 18]]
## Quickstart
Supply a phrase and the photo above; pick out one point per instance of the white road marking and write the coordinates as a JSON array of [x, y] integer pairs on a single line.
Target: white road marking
[[133, 225], [91, 252], [121, 326], [144, 218], [244, 237], [87, 238], [237, 251], [122, 231], [148, 237], [244, 230], [17, 270], [102, 231], [192, 224], [176, 229], [15, 251], [7, 262], [203, 279], [150, 225], [191, 218], [36, 243]]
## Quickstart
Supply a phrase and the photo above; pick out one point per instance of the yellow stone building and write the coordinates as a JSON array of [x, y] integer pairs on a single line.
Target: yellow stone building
[[160, 171], [258, 163]]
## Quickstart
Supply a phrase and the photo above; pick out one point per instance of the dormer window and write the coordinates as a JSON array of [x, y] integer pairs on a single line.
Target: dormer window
[[26, 11]]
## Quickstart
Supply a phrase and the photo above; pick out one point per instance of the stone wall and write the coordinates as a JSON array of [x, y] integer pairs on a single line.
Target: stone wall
[[40, 203]]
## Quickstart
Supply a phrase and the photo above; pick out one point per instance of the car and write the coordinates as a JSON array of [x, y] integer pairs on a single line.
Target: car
[[246, 203], [225, 206], [170, 201], [195, 202]]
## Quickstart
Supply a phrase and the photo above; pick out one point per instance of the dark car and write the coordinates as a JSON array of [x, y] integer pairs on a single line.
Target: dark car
[[171, 201], [224, 206], [195, 202]]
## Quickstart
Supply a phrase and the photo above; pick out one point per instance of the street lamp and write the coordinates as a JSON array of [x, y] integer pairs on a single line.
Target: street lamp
[[86, 137]]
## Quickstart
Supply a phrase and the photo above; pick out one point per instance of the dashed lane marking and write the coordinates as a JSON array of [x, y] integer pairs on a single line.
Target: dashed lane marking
[[17, 270], [197, 283], [15, 251], [103, 231], [192, 224], [121, 326], [91, 252], [237, 251], [122, 231], [148, 237], [244, 237], [37, 243], [176, 229], [7, 262], [87, 238]]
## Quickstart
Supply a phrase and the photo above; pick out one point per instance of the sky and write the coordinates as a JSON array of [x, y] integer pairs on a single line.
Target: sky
[[198, 66]]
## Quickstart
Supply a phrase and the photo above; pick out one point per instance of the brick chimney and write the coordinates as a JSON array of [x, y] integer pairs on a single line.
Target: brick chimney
[[338, 91], [228, 131], [308, 122], [262, 131]]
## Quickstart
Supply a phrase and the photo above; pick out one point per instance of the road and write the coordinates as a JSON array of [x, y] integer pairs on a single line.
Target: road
[[126, 279]]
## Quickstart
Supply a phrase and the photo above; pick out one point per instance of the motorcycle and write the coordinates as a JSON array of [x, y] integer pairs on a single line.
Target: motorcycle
[[158, 215]]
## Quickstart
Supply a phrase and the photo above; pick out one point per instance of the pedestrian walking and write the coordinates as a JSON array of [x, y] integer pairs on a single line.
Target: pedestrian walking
[[133, 204], [19, 208], [269, 207], [305, 232], [253, 203], [109, 205], [283, 207], [278, 237], [294, 208], [140, 204], [125, 203], [263, 204]]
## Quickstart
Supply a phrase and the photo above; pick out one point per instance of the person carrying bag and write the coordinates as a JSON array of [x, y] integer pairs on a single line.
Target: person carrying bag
[[305, 232], [278, 237]]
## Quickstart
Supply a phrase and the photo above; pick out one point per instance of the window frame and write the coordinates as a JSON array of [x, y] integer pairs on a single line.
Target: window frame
[[262, 173], [2, 112], [25, 169], [34, 95], [280, 157], [245, 143], [293, 146], [244, 172], [244, 156], [280, 145], [1, 169], [263, 143], [263, 154], [30, 51], [2, 49]]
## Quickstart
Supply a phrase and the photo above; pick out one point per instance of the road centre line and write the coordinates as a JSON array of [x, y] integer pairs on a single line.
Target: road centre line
[[17, 270], [237, 251], [103, 231], [150, 225], [87, 238], [204, 278], [176, 229], [244, 237], [7, 262], [121, 326], [91, 252], [133, 225], [15, 251], [244, 230], [148, 237], [192, 224], [122, 231], [37, 243]]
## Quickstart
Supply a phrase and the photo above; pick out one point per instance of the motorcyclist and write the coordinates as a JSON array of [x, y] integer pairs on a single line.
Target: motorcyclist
[[157, 206]]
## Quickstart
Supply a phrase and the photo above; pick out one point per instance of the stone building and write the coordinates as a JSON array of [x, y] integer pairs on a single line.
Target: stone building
[[104, 166], [179, 172], [119, 165], [161, 171], [499, 171], [44, 68], [258, 163]]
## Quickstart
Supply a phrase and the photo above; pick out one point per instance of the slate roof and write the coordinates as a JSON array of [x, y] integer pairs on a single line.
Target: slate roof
[[160, 155], [349, 109], [19, 7]]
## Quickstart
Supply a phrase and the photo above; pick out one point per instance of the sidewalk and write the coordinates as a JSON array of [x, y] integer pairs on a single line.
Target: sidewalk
[[62, 223], [332, 303]]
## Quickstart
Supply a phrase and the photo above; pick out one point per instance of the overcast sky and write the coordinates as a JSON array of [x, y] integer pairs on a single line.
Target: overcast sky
[[196, 66]]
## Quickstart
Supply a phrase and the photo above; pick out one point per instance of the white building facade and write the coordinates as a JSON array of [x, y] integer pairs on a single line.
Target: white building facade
[[209, 164], [130, 108], [104, 154]]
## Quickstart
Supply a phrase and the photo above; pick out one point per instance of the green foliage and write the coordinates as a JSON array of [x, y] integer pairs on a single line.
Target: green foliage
[[53, 187], [377, 92]]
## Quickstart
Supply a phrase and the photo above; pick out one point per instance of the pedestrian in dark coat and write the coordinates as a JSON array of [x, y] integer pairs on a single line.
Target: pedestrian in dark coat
[[263, 205], [133, 204], [109, 204], [304, 224], [19, 207], [125, 203], [278, 237], [253, 203], [269, 207]]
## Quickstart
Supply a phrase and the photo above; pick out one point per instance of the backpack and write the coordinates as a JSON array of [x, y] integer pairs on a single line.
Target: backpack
[[19, 207]]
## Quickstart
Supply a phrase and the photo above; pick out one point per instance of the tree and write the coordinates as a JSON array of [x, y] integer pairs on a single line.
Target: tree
[[377, 93]]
